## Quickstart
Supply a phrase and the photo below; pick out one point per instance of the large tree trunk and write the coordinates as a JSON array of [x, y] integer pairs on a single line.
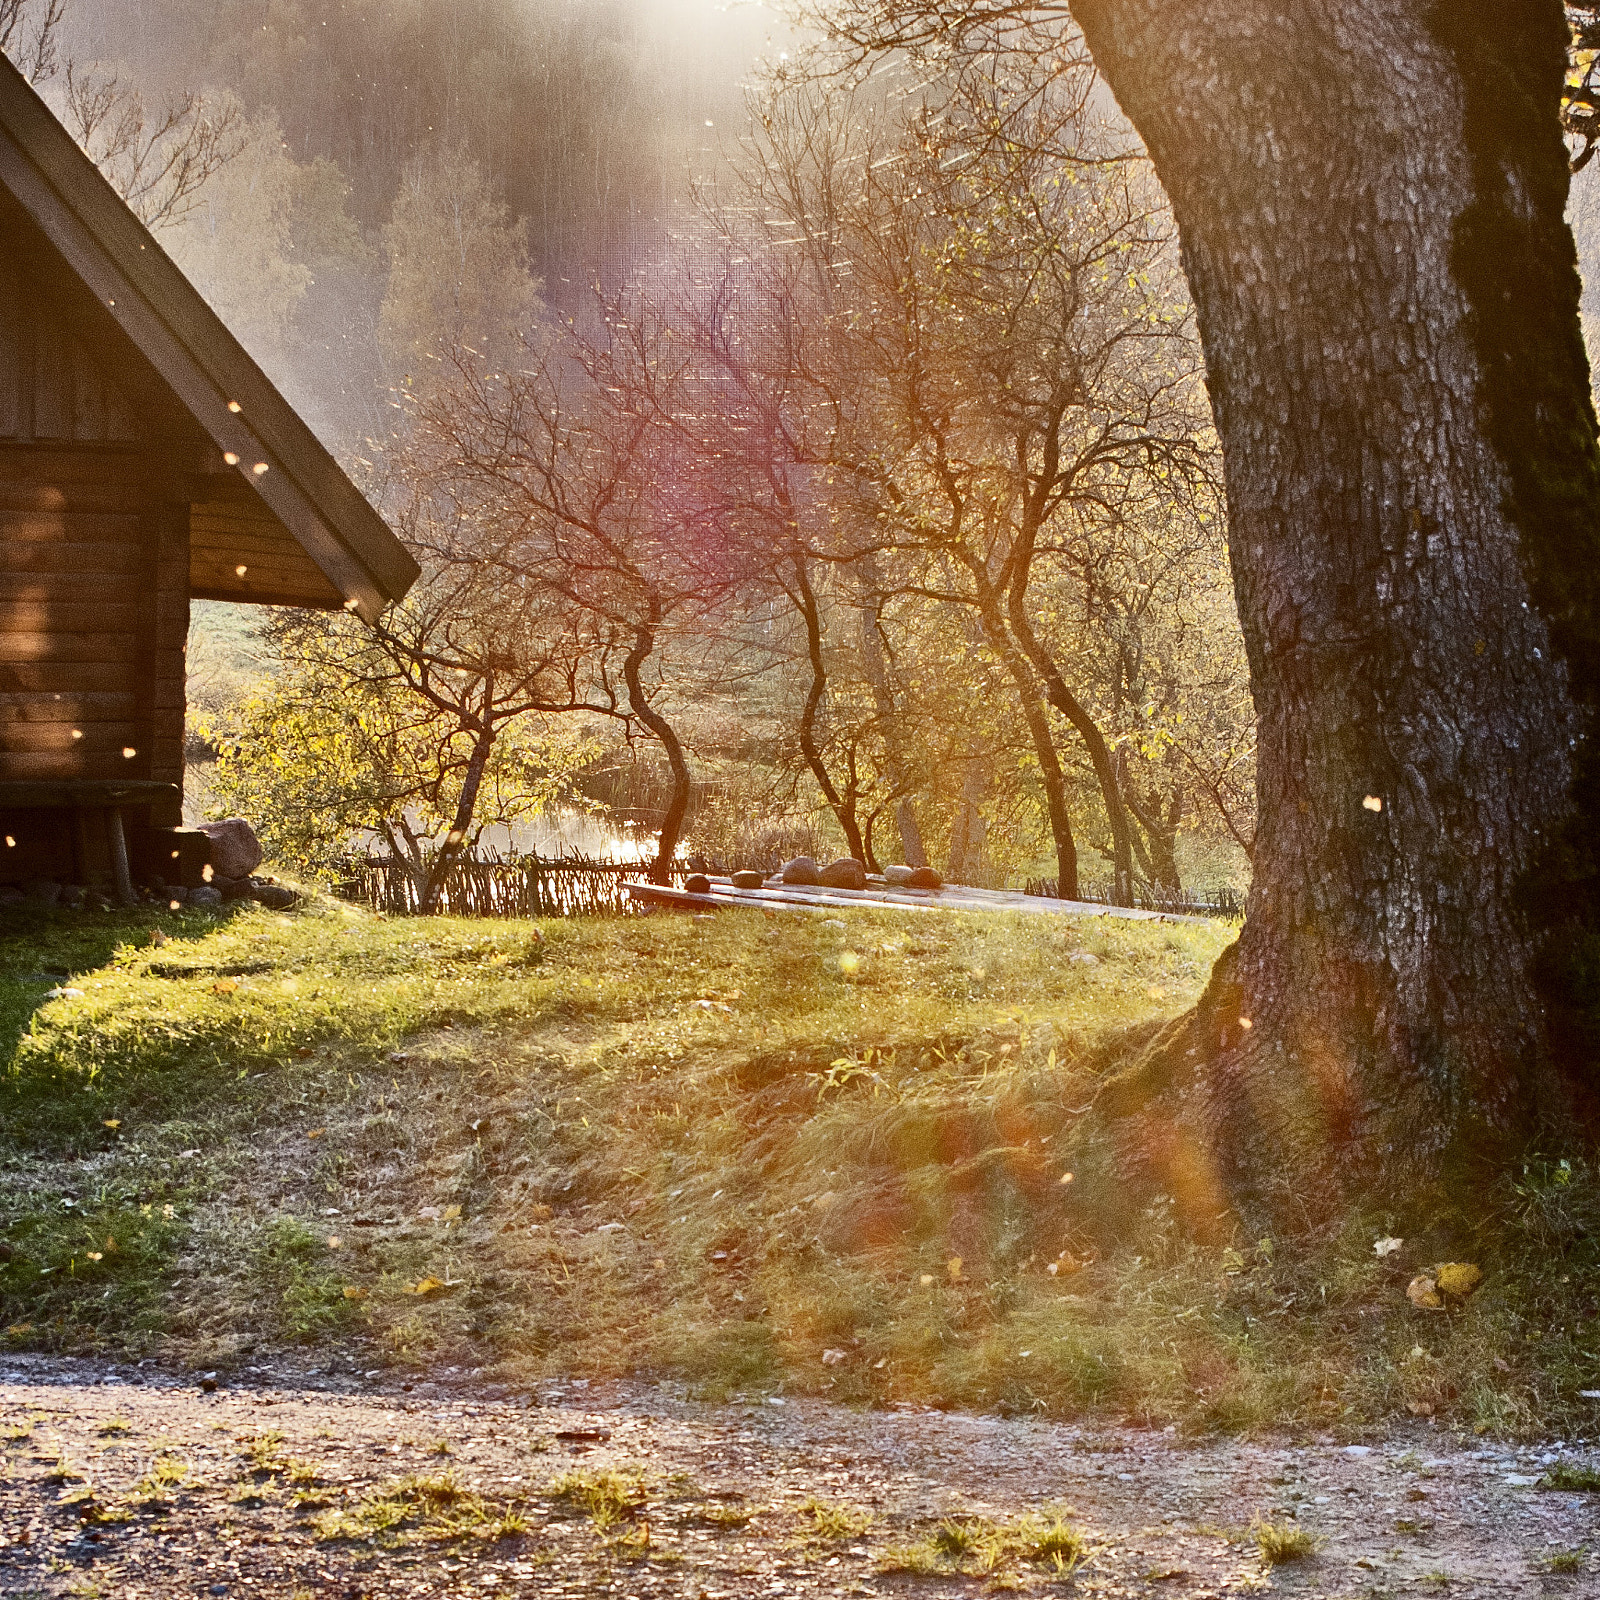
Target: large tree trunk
[[1359, 185]]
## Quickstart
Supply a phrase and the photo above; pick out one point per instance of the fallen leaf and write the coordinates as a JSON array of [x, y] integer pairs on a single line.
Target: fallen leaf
[[225, 986], [1458, 1278], [953, 1267], [1423, 1292], [1386, 1247], [316, 1133], [158, 938], [925, 1279], [425, 1286], [111, 1244], [334, 1241], [450, 1213], [835, 1358], [114, 1122], [356, 1294]]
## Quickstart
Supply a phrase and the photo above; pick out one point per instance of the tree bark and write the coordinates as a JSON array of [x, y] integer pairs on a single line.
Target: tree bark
[[842, 806], [1073, 709], [1417, 728], [1044, 747], [644, 644], [466, 806]]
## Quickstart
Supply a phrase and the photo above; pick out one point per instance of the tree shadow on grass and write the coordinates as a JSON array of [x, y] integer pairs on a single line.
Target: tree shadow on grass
[[43, 949]]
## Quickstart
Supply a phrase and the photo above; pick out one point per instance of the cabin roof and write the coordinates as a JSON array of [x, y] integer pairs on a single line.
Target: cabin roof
[[280, 475]]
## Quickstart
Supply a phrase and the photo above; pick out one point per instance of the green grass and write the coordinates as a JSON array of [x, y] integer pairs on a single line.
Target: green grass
[[715, 1150], [1281, 1542], [419, 1510], [1571, 1475], [978, 1547]]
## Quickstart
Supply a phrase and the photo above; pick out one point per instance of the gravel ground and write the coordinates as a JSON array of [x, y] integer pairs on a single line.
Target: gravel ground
[[254, 1491]]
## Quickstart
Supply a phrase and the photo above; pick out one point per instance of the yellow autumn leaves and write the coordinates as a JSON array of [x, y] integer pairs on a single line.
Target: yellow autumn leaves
[[1436, 1288]]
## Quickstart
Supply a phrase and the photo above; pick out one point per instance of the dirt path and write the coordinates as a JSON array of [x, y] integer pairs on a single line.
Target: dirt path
[[126, 1485]]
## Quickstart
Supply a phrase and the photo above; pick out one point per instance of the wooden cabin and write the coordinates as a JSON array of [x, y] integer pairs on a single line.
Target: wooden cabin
[[145, 460]]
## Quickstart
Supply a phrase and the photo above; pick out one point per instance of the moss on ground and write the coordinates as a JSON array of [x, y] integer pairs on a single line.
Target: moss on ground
[[761, 1153]]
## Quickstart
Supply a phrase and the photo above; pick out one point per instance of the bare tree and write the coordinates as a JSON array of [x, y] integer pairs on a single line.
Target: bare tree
[[573, 479], [158, 159], [28, 36]]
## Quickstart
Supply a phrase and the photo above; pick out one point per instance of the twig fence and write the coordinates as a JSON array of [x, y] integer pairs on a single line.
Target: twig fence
[[574, 886], [569, 886], [1220, 902]]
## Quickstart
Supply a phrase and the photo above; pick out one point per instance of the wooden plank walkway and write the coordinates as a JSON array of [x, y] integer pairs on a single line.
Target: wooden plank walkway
[[877, 894]]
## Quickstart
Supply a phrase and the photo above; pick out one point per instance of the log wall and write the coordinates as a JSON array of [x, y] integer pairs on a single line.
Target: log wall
[[94, 618]]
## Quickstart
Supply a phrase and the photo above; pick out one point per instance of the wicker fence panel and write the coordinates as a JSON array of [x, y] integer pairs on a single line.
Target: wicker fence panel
[[525, 887]]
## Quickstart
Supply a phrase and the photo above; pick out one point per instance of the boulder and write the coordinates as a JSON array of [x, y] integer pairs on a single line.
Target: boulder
[[845, 873], [898, 877], [274, 896], [802, 870], [206, 896], [235, 850], [924, 878], [42, 891], [697, 883], [748, 880]]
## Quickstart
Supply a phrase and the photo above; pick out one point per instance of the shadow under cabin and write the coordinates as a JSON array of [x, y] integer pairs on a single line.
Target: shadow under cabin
[[145, 460]]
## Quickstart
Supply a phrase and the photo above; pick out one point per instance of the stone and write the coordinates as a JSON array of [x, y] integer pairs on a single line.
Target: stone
[[42, 891], [748, 880], [898, 877], [232, 888], [845, 873], [802, 870], [235, 850], [205, 896], [924, 878], [274, 896], [11, 895], [697, 883]]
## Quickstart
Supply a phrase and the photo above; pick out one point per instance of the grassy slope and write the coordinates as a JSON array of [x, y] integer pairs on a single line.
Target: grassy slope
[[758, 1152]]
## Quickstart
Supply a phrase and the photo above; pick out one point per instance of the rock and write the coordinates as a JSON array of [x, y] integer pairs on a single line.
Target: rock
[[274, 896], [232, 888], [208, 1384], [802, 870], [11, 895], [748, 880], [924, 878], [42, 891], [206, 896], [697, 883], [845, 873], [898, 877], [235, 850]]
